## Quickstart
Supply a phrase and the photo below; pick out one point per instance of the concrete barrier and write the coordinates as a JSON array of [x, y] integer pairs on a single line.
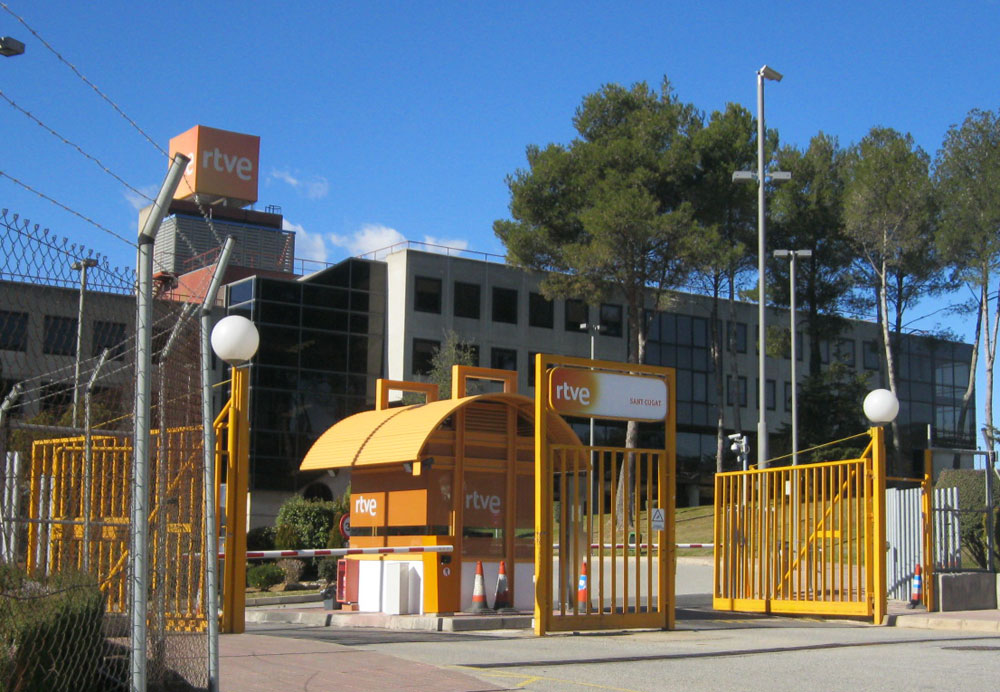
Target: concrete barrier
[[967, 591]]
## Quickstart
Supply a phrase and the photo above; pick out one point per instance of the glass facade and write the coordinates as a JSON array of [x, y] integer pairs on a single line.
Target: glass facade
[[321, 345]]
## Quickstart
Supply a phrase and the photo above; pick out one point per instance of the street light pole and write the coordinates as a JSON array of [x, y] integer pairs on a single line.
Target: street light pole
[[792, 255], [80, 266], [761, 177], [593, 329]]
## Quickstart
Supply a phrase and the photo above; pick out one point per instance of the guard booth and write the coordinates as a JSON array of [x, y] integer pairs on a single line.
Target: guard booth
[[456, 472]]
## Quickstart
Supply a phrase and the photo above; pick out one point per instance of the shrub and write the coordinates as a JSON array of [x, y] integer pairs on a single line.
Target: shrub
[[265, 576], [309, 520], [51, 635], [260, 538], [292, 570], [334, 539], [287, 538], [327, 569], [971, 503]]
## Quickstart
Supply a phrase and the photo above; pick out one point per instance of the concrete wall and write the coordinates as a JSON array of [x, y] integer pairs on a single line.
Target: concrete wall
[[967, 591]]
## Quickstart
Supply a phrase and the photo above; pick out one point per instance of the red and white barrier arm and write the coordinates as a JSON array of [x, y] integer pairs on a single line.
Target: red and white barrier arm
[[337, 552], [643, 546]]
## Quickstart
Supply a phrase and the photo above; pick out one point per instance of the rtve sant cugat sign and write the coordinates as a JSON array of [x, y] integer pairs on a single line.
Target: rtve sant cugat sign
[[595, 394]]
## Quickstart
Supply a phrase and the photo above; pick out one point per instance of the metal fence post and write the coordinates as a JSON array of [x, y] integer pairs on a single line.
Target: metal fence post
[[139, 556], [211, 546]]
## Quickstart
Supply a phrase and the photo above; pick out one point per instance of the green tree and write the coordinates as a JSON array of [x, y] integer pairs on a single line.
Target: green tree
[[727, 216], [454, 351], [888, 213], [609, 213], [967, 176], [807, 214]]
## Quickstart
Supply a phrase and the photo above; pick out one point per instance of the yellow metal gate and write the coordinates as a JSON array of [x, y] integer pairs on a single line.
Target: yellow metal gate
[[600, 565], [80, 517], [807, 539]]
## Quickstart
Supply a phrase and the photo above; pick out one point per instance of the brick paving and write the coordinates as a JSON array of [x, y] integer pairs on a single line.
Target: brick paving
[[258, 663]]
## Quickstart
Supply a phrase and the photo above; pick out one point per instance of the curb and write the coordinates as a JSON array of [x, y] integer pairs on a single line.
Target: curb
[[930, 622], [426, 623], [284, 600]]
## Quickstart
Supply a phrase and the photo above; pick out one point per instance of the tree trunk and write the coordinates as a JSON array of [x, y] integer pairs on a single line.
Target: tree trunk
[[890, 363], [624, 501]]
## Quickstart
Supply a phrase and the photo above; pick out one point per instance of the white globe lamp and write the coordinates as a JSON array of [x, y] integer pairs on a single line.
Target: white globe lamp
[[235, 339], [881, 406]]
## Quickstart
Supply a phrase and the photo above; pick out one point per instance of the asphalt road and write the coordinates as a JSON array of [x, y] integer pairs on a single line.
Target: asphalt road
[[707, 651]]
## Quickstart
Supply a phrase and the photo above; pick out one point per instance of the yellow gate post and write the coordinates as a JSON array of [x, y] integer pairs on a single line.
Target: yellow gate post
[[234, 581], [880, 596]]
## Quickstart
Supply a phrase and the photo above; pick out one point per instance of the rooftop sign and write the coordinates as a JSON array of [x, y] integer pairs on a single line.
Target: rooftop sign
[[595, 394], [223, 164]]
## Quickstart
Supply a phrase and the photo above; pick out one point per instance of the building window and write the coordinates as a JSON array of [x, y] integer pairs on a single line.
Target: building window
[[59, 336], [56, 396], [737, 336], [870, 355], [611, 319], [423, 355], [824, 351], [427, 294], [13, 331], [770, 395], [111, 336], [503, 359], [505, 305], [845, 351], [576, 314], [788, 396], [736, 391], [467, 300], [541, 311]]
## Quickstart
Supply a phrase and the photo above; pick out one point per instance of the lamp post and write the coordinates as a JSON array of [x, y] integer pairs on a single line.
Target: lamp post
[[761, 177], [81, 266], [235, 340], [793, 255], [10, 46], [593, 330]]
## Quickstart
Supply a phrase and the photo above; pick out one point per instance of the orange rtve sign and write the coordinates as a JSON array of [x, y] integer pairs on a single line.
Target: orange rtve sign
[[594, 394], [223, 163]]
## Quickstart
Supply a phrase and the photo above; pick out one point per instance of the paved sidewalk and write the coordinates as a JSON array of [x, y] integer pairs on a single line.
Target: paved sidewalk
[[261, 663]]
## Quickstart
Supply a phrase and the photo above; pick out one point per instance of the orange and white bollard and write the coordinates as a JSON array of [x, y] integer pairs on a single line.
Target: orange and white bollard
[[917, 593], [479, 592], [582, 591], [501, 600]]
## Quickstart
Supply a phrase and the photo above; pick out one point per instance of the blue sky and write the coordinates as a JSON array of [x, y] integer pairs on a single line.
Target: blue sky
[[388, 120]]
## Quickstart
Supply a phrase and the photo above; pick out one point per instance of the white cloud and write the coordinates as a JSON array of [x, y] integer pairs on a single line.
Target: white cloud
[[136, 200], [368, 238], [316, 187], [452, 244], [307, 245]]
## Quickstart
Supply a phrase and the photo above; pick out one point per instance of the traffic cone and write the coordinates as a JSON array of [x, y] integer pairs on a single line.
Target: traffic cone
[[582, 593], [917, 594], [479, 592], [501, 601]]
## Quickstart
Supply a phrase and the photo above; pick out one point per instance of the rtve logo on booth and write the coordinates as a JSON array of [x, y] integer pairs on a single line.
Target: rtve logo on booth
[[595, 394], [223, 164]]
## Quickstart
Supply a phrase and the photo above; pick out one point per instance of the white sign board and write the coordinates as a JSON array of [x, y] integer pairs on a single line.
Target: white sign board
[[595, 394], [658, 519]]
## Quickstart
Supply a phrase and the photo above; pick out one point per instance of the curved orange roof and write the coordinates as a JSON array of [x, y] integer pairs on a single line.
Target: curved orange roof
[[395, 435]]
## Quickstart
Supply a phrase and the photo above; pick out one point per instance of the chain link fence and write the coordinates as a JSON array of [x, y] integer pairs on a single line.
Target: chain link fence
[[67, 386]]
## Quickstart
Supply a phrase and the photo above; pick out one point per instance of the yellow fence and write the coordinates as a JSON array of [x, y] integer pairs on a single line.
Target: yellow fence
[[601, 564], [80, 516], [807, 539], [608, 577]]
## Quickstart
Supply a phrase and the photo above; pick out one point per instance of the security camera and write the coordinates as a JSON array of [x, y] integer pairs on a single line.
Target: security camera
[[735, 436]]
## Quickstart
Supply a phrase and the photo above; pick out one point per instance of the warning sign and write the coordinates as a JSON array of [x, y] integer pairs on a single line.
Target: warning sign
[[657, 519]]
